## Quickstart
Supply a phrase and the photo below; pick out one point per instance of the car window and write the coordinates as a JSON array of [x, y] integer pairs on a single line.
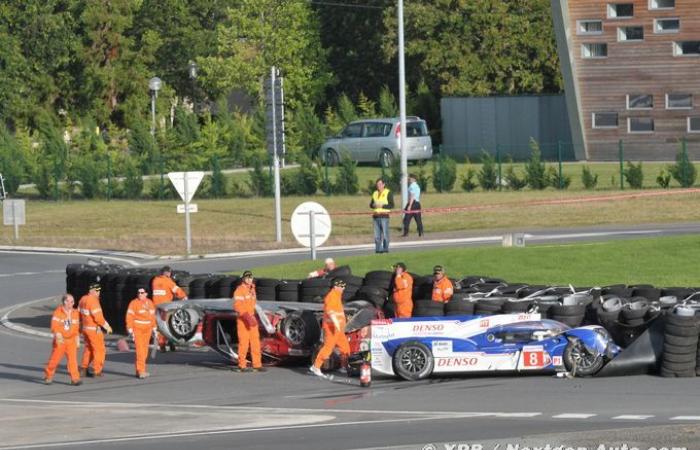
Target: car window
[[377, 129], [353, 130], [416, 129]]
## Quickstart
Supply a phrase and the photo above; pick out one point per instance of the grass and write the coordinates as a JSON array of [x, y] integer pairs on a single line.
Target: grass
[[668, 261], [248, 224]]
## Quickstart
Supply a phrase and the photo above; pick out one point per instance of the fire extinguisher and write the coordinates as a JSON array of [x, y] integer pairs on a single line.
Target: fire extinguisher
[[366, 373]]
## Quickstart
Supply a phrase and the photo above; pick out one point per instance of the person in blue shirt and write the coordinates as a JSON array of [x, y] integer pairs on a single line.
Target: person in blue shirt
[[412, 209]]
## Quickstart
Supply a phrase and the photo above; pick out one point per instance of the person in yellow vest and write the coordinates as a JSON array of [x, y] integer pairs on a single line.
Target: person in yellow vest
[[381, 204]]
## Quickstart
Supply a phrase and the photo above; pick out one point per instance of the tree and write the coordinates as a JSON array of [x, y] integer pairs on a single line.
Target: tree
[[535, 170], [12, 163], [259, 34]]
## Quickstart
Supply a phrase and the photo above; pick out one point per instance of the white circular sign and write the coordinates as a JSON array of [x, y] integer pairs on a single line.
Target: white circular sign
[[301, 225]]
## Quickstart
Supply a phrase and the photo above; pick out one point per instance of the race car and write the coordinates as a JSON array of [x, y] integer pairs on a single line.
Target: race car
[[289, 331], [416, 348]]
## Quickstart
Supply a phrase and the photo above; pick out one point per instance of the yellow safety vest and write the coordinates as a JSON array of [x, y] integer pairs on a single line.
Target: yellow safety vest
[[383, 198]]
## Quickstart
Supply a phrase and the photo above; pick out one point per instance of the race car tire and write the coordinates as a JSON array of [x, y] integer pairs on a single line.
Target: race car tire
[[680, 358], [413, 361], [380, 278], [459, 306], [340, 271], [182, 323], [607, 318], [666, 373], [301, 328], [681, 340], [585, 365], [678, 367], [680, 349], [516, 306], [677, 330], [681, 321], [427, 308]]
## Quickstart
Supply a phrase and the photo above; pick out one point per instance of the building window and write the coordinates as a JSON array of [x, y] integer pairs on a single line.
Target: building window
[[640, 125], [662, 4], [620, 10], [679, 101], [640, 101], [599, 50], [590, 27], [667, 25], [604, 120], [630, 33], [693, 124], [686, 48]]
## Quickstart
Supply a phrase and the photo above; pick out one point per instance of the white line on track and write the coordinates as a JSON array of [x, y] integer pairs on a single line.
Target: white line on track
[[65, 252], [693, 418], [19, 274], [632, 417], [573, 416]]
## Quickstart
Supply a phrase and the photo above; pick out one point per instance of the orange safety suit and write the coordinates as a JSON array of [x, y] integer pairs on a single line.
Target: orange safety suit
[[333, 335], [67, 325], [141, 324], [244, 300], [92, 319], [442, 290], [164, 290], [402, 295]]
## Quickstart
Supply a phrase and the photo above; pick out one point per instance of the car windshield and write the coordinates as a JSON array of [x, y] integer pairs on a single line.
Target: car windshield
[[416, 129]]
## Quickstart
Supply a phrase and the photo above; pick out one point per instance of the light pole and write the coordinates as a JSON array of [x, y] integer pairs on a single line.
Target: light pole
[[402, 111], [154, 85], [192, 71]]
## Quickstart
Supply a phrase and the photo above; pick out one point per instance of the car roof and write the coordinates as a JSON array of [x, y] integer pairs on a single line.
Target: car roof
[[388, 119]]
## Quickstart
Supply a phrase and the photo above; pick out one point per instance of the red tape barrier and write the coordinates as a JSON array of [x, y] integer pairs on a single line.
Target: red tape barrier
[[567, 201]]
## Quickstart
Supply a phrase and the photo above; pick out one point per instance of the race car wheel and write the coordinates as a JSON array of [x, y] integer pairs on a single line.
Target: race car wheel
[[580, 361], [301, 328], [183, 323], [413, 361]]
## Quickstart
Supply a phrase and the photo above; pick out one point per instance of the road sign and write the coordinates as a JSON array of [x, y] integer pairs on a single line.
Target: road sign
[[192, 207], [274, 116], [193, 180], [13, 212], [311, 225]]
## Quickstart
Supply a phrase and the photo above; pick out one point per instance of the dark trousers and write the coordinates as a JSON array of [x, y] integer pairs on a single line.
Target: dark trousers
[[414, 215]]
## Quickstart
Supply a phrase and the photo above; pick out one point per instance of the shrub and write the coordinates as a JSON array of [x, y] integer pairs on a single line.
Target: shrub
[[422, 177], [44, 181], [468, 183], [536, 174], [217, 187], [683, 171], [664, 178], [346, 181], [513, 181], [88, 173], [444, 174], [260, 180], [488, 175], [555, 182], [588, 178], [308, 178], [133, 182], [634, 175]]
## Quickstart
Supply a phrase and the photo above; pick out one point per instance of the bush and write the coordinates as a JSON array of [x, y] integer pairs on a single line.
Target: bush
[[536, 174], [422, 177], [133, 181], [683, 171], [444, 174], [513, 181], [588, 178], [12, 164], [45, 181], [664, 178], [346, 181], [468, 183], [553, 177], [217, 186], [164, 190], [309, 177], [634, 175], [488, 175], [87, 171], [260, 181]]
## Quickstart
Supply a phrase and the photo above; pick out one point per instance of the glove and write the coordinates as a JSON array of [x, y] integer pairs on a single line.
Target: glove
[[107, 328], [249, 320], [59, 338]]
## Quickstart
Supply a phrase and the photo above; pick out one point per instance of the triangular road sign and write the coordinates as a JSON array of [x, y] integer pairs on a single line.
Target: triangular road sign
[[193, 180]]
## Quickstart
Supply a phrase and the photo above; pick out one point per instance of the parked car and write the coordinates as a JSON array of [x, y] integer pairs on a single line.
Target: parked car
[[377, 140]]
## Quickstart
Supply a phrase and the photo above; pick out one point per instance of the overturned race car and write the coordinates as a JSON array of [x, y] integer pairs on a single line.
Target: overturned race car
[[416, 348]]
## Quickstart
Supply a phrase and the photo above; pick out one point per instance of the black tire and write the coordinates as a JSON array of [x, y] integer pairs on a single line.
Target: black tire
[[287, 296], [459, 306], [301, 328], [585, 365], [413, 361], [673, 374], [516, 307], [351, 280], [567, 311], [386, 158], [680, 349], [680, 358], [181, 324], [607, 318], [676, 330], [681, 340], [428, 308], [652, 294], [678, 367], [379, 278], [340, 271], [681, 321]]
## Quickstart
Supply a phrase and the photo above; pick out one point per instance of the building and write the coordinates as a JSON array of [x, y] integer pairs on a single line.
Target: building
[[631, 72], [504, 125]]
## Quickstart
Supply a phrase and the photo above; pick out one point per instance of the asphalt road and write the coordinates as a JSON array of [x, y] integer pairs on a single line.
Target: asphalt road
[[194, 401]]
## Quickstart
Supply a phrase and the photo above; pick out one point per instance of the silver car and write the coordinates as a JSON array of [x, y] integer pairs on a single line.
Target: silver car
[[377, 140]]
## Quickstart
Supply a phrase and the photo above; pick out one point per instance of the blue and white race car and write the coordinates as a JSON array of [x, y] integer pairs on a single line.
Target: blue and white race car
[[418, 347]]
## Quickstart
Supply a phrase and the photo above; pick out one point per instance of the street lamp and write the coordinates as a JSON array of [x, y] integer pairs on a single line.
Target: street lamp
[[402, 110], [192, 71], [154, 85]]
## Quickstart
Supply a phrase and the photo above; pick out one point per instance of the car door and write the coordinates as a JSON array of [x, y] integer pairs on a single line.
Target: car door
[[350, 141], [373, 140]]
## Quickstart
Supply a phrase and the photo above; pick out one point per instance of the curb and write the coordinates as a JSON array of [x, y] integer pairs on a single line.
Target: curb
[[116, 255], [5, 320]]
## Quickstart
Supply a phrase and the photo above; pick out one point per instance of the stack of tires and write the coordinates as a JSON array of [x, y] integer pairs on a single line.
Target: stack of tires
[[225, 286], [460, 305], [375, 288], [313, 290], [489, 306], [288, 291], [198, 286], [679, 358], [352, 285], [427, 308], [266, 289]]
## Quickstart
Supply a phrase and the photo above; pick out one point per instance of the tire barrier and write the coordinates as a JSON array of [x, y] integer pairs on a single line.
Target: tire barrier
[[681, 331]]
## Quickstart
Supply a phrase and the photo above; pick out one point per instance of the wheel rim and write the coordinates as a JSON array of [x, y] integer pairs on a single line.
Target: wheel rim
[[413, 360], [582, 359], [386, 159], [180, 322], [295, 330]]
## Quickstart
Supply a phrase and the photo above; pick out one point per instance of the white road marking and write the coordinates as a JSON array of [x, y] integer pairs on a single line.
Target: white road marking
[[518, 414], [20, 274], [694, 418], [632, 417], [67, 252], [574, 416]]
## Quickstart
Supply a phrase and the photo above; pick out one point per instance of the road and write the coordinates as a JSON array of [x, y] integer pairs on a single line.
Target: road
[[194, 401]]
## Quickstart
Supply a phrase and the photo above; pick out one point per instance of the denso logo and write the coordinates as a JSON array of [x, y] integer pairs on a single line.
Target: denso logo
[[428, 328], [457, 362]]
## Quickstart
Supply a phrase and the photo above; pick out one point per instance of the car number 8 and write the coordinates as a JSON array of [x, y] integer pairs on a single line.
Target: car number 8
[[534, 359]]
